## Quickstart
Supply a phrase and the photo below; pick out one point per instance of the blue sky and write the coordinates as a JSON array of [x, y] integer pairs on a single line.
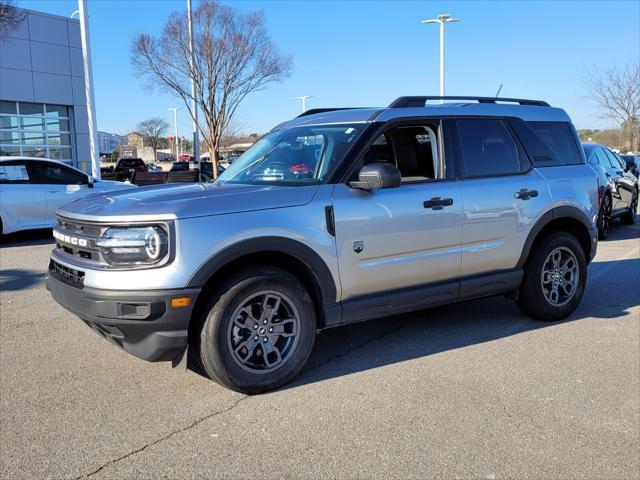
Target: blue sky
[[364, 53]]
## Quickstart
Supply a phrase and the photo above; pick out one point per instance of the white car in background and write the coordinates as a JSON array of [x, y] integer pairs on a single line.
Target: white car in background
[[31, 189]]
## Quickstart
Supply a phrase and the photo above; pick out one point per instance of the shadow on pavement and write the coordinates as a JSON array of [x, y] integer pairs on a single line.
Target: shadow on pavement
[[12, 280], [27, 238], [427, 332]]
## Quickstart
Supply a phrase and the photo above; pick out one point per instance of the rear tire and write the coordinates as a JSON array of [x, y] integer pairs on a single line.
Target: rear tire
[[554, 278], [629, 218], [604, 217], [259, 330]]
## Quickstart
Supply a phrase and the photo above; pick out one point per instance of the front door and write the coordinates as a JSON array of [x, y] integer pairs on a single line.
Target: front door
[[60, 183], [396, 238]]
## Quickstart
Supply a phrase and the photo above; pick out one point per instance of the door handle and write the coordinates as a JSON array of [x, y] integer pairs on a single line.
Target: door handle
[[526, 194], [437, 203]]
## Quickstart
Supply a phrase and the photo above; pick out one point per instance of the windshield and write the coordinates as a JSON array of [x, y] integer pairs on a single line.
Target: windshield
[[293, 156]]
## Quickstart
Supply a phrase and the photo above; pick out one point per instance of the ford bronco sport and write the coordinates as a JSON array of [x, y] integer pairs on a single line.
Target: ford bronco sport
[[337, 216]]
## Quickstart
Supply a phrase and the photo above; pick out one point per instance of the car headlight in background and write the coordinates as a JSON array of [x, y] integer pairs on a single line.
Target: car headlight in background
[[134, 245]]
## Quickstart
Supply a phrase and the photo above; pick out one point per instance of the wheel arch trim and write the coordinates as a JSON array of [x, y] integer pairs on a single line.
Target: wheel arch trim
[[287, 246], [558, 213]]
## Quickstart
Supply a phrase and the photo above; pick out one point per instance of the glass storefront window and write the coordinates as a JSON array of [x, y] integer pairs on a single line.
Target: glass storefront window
[[9, 122], [8, 107], [36, 130], [30, 108]]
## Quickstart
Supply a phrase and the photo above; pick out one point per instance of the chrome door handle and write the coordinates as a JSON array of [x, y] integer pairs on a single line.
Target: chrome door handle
[[526, 194], [437, 203]]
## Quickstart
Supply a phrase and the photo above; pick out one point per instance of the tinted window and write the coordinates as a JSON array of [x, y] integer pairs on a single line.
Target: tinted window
[[487, 148], [603, 159], [559, 137], [13, 172], [130, 163], [54, 174], [615, 160]]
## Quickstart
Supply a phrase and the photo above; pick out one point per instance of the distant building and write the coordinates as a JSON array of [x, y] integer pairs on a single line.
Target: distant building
[[135, 139], [108, 142], [43, 109]]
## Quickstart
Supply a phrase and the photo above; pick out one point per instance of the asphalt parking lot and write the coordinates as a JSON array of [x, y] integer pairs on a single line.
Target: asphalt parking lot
[[474, 390]]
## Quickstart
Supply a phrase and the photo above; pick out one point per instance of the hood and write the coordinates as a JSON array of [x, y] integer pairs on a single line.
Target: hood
[[186, 200]]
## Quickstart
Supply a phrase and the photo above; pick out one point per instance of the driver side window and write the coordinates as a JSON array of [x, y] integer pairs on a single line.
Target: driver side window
[[412, 149]]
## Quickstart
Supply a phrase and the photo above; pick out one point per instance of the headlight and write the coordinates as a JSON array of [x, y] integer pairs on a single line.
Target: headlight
[[134, 245]]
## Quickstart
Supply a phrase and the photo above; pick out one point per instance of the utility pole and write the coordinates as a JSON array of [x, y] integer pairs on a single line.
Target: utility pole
[[175, 127], [194, 106], [442, 19], [88, 88], [304, 101]]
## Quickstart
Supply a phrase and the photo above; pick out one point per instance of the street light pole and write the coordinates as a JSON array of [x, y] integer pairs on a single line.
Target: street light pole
[[175, 126], [442, 19], [88, 89], [194, 106], [304, 101]]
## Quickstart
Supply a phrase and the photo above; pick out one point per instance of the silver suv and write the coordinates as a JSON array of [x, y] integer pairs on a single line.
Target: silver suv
[[334, 217]]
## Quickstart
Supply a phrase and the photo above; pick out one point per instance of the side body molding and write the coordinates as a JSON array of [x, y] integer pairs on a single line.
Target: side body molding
[[573, 213]]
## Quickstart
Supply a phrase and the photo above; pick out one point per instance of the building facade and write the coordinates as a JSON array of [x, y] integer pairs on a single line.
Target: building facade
[[43, 107], [108, 142]]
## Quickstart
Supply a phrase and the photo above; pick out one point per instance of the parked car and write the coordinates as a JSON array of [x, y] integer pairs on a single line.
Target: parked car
[[31, 189], [179, 167], [154, 168], [633, 163], [206, 171], [399, 209], [618, 187], [126, 167]]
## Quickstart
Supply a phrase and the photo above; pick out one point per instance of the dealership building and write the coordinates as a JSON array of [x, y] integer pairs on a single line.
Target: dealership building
[[43, 107]]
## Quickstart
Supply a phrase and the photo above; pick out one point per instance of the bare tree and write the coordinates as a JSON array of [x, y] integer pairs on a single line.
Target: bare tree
[[616, 92], [153, 129], [10, 17], [233, 57]]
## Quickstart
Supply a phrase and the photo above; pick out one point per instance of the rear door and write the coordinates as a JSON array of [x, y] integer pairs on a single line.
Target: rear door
[[624, 181], [502, 195], [22, 203], [61, 185]]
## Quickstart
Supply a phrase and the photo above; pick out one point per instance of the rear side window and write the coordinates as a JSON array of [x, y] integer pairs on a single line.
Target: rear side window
[[13, 173], [487, 148], [559, 137]]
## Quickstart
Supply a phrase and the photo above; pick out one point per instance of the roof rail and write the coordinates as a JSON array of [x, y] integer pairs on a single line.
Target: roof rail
[[403, 102], [323, 110]]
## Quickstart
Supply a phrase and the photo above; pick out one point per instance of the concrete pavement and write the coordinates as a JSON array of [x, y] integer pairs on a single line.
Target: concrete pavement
[[474, 390]]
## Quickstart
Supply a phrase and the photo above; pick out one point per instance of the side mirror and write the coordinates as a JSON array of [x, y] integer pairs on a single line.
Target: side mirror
[[377, 175], [630, 166], [90, 181]]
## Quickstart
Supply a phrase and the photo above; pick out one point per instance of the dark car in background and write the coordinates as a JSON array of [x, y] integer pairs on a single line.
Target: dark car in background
[[618, 187], [126, 167], [633, 163]]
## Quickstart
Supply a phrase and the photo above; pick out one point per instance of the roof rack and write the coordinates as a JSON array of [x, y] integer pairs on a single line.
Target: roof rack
[[403, 102], [324, 110]]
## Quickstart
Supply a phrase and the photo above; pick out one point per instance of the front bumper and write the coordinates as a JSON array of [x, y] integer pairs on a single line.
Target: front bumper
[[143, 323]]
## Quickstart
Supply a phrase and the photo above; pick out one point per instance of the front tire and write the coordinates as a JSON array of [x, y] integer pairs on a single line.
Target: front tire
[[554, 278], [259, 330], [629, 218]]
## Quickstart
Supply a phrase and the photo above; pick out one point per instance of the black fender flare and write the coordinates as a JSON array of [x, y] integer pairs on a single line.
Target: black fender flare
[[556, 213], [288, 246]]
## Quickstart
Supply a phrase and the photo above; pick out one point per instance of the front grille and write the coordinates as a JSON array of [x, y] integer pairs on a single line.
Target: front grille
[[78, 239], [67, 275]]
